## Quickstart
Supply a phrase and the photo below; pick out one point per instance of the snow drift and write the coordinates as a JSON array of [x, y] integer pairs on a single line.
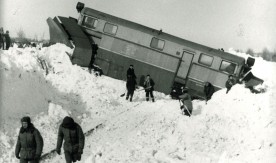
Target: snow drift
[[234, 127]]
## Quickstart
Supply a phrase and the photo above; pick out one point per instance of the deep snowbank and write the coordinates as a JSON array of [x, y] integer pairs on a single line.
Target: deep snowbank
[[234, 127]]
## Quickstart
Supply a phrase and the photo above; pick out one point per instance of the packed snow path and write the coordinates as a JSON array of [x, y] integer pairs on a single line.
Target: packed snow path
[[234, 127]]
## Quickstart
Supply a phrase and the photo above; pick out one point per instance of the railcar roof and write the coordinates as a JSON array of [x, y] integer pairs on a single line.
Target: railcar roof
[[163, 35]]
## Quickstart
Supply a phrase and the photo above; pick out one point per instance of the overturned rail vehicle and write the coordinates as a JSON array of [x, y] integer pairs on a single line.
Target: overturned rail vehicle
[[171, 61]]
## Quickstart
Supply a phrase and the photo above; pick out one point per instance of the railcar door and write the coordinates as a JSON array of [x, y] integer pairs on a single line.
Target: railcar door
[[185, 65]]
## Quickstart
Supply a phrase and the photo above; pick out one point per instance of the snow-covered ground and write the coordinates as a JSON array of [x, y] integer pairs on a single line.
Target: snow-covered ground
[[234, 127]]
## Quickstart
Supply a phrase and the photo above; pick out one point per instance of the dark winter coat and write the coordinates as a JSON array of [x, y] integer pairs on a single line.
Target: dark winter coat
[[149, 86], [29, 143], [131, 84], [209, 91], [187, 101], [131, 73], [8, 41], [229, 83], [2, 41], [73, 137]]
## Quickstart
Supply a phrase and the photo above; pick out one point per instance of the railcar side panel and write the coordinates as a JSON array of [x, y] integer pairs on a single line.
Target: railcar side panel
[[116, 65]]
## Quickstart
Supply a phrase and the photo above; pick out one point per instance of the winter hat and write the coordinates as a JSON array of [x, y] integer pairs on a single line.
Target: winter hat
[[68, 122], [26, 119]]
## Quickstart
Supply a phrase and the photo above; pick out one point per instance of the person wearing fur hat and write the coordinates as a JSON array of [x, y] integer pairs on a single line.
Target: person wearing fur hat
[[29, 142], [73, 137]]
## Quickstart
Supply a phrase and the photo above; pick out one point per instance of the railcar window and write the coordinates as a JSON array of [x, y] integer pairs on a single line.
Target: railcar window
[[227, 67], [206, 59], [157, 43], [110, 28], [89, 22]]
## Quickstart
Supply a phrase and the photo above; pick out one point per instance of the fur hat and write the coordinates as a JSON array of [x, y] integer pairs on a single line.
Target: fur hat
[[26, 119], [68, 122], [30, 127]]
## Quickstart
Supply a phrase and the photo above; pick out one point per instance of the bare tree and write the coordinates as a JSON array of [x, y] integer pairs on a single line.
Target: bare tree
[[266, 54], [239, 51], [21, 35], [42, 37], [250, 52], [35, 38], [273, 58]]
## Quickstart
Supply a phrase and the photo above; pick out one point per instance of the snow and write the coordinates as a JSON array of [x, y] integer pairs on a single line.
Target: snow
[[235, 127]]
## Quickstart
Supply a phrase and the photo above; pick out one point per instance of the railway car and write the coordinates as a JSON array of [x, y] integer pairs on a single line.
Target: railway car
[[171, 61]]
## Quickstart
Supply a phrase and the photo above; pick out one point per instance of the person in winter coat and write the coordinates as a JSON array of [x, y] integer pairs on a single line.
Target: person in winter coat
[[29, 143], [149, 87], [229, 83], [131, 85], [208, 91], [2, 39], [186, 99], [130, 72], [8, 40], [93, 56], [73, 137]]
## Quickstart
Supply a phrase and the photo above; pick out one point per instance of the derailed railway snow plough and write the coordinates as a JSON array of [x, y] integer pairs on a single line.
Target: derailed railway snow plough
[[114, 43]]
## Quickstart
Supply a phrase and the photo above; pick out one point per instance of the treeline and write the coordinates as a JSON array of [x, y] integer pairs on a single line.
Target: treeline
[[265, 54], [21, 37]]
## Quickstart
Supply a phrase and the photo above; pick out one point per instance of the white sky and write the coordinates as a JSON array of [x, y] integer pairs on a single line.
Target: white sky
[[240, 24]]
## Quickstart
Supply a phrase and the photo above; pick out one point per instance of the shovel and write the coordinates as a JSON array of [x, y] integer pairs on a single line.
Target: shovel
[[122, 95]]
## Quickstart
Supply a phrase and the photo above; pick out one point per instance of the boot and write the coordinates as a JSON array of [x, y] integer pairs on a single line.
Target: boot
[[153, 100], [147, 99], [126, 97]]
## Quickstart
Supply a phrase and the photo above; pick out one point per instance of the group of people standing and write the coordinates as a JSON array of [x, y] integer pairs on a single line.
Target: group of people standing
[[5, 40], [131, 85], [185, 97], [30, 143]]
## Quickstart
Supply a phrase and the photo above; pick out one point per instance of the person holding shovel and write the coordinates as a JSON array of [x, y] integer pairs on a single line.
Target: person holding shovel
[[131, 86], [149, 87], [131, 72], [186, 99], [130, 83]]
